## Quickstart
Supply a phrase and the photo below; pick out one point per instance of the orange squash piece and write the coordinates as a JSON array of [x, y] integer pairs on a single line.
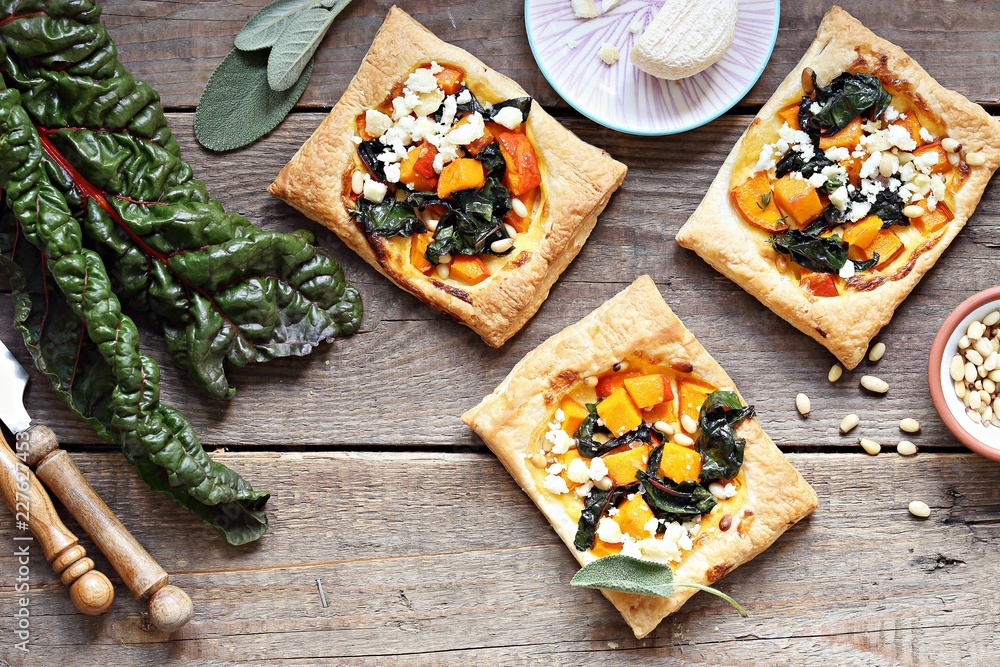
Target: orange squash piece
[[849, 137], [853, 168], [931, 221], [619, 412], [522, 172], [633, 515], [646, 390], [692, 395], [606, 384], [887, 245], [449, 79], [941, 165], [418, 244], [790, 115], [680, 464], [461, 174], [362, 124], [912, 125], [755, 202], [520, 224], [479, 144], [864, 231], [602, 548], [567, 458], [663, 412], [468, 269], [573, 414], [418, 168], [820, 284], [797, 198], [622, 466]]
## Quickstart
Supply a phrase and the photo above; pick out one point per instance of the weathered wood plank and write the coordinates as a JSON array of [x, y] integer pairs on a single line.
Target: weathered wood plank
[[441, 559], [412, 371], [176, 45]]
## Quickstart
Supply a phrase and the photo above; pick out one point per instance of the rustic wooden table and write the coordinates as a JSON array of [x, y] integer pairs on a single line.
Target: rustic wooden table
[[427, 551]]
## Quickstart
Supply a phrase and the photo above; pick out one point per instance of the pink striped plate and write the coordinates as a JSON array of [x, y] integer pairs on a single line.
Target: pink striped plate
[[626, 99]]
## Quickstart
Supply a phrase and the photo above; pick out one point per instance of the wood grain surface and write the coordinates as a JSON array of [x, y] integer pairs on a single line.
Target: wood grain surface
[[427, 551]]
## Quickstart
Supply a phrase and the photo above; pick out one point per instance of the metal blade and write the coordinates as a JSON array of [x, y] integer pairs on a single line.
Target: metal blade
[[13, 379]]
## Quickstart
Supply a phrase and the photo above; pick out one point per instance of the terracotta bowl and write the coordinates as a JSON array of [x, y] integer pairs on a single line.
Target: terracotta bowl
[[981, 439]]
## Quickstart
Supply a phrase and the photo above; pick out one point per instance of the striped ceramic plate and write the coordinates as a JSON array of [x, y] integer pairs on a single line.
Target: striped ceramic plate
[[621, 96]]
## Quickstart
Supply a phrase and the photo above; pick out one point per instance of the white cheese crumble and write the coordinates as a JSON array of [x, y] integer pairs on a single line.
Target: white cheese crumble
[[584, 490], [870, 165], [926, 135], [372, 190], [556, 485], [447, 113], [651, 526], [847, 270], [392, 173], [572, 43], [464, 96], [598, 470], [925, 161], [608, 5], [815, 108], [635, 27], [890, 114], [578, 471], [421, 81], [509, 117], [839, 198], [609, 531], [585, 9], [817, 180], [376, 123], [837, 153], [467, 132], [609, 54], [631, 548], [555, 468]]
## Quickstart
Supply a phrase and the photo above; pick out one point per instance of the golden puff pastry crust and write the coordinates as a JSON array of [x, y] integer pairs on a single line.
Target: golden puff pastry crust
[[577, 182], [513, 420], [844, 324]]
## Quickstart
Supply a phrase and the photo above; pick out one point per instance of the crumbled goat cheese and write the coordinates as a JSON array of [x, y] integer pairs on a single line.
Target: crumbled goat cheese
[[631, 548], [555, 468], [373, 190], [839, 198], [837, 153], [609, 531], [859, 209], [556, 485], [635, 27], [449, 111], [817, 180], [376, 123], [509, 117], [890, 114], [467, 132], [925, 161], [572, 43], [925, 135], [870, 165], [815, 108], [585, 9], [937, 186], [578, 471], [598, 470], [584, 489], [392, 173], [847, 270], [421, 81], [651, 526], [608, 5], [609, 54], [464, 96], [435, 68]]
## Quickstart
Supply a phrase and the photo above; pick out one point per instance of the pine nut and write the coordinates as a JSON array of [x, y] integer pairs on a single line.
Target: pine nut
[[357, 182], [604, 484], [683, 440], [877, 352], [981, 371], [909, 425], [511, 232], [974, 416], [870, 446], [520, 210], [990, 386], [992, 318], [835, 372], [950, 144], [443, 271], [972, 355], [688, 424], [957, 368], [970, 372], [976, 330], [978, 384], [681, 365], [503, 245], [591, 381], [807, 82], [538, 460], [964, 343], [444, 259], [984, 396], [984, 347], [994, 375], [432, 225], [919, 509], [874, 384], [913, 211], [975, 159], [848, 423], [975, 400], [906, 448], [987, 414], [996, 405], [960, 388], [992, 361], [664, 428], [803, 405], [887, 165]]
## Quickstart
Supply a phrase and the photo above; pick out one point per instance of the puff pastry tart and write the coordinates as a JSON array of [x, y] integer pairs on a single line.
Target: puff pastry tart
[[450, 180], [846, 188], [632, 440]]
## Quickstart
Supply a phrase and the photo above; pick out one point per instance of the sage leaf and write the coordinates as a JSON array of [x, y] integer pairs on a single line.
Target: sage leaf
[[299, 40], [265, 27], [238, 106], [640, 577]]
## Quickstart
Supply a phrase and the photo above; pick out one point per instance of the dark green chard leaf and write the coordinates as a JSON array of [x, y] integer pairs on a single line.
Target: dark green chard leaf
[[847, 97], [888, 207], [522, 104], [388, 218], [595, 506], [590, 448], [668, 500], [640, 577], [473, 221], [721, 451], [816, 253], [368, 151]]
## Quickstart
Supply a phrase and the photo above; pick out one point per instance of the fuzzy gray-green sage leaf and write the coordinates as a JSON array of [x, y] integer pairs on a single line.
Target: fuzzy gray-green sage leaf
[[640, 577], [299, 40]]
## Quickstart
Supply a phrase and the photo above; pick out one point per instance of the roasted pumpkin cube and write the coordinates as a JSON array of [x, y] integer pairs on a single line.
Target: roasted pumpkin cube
[[941, 164], [663, 412], [819, 284], [790, 115], [606, 384], [646, 390], [622, 466], [931, 221], [418, 168], [680, 464], [468, 269], [853, 168], [887, 245], [619, 412], [633, 515], [573, 414], [461, 174], [798, 198], [755, 202], [602, 548], [522, 173], [864, 231], [692, 395], [449, 79], [418, 244], [848, 137]]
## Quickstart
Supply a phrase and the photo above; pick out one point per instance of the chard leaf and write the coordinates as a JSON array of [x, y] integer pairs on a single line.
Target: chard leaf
[[721, 451], [640, 577], [265, 27], [238, 107], [823, 254], [303, 31], [388, 218], [668, 500], [595, 505], [844, 99]]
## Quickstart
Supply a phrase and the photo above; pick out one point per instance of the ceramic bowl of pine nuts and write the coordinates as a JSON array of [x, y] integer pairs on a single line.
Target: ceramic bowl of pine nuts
[[964, 373]]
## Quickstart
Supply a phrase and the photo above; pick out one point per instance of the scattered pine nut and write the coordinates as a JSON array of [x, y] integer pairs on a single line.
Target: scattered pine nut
[[912, 211], [906, 448], [870, 446], [950, 145], [803, 405], [538, 460], [919, 509], [975, 159], [592, 381], [680, 439], [688, 424], [909, 425], [664, 428], [957, 368], [877, 352], [992, 318], [835, 372], [874, 384], [848, 423]]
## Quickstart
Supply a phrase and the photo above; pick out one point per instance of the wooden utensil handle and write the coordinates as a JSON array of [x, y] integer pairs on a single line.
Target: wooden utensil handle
[[169, 607], [90, 591]]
